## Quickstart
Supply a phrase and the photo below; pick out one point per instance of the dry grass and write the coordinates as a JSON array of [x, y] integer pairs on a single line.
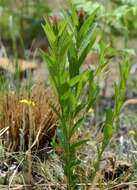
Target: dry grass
[[17, 117]]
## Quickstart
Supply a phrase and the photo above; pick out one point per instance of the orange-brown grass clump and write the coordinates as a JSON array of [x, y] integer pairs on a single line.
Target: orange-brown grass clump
[[20, 117]]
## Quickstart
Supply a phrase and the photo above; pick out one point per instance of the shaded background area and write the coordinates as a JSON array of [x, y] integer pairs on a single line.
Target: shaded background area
[[21, 23]]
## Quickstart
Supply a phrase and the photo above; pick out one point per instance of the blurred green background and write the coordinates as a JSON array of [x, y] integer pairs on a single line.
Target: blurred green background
[[21, 20]]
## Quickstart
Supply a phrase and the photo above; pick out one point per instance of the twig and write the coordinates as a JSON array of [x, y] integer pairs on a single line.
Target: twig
[[123, 184]]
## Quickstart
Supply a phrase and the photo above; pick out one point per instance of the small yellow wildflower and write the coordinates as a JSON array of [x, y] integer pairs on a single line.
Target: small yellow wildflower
[[27, 102], [132, 133], [91, 110]]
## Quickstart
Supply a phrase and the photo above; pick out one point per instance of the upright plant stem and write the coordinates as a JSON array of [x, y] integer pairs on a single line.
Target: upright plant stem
[[29, 151]]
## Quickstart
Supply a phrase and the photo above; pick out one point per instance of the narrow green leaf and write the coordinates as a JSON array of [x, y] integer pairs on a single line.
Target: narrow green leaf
[[108, 130], [74, 15], [64, 44], [74, 164], [64, 88], [87, 24], [62, 27], [87, 39], [46, 57], [78, 143], [49, 32], [79, 108], [85, 52], [92, 94], [72, 58], [62, 138], [75, 80], [129, 51], [76, 126]]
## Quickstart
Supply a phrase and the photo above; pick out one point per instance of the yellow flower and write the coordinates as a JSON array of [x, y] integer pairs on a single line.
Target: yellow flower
[[132, 133], [27, 102], [91, 110]]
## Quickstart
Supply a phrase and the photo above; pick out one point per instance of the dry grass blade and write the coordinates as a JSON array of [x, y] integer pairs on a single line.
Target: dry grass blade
[[3, 131], [130, 102], [16, 116]]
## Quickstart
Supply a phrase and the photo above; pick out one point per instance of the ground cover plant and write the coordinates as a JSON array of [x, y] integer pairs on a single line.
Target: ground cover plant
[[69, 134]]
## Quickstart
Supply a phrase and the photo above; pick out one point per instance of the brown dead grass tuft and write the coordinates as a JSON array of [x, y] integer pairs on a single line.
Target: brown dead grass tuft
[[17, 117]]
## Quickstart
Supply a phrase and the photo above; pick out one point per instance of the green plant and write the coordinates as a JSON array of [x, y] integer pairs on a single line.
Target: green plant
[[111, 124], [71, 38]]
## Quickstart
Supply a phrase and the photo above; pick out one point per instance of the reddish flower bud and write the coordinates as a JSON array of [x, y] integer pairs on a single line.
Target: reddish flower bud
[[54, 19], [81, 13]]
